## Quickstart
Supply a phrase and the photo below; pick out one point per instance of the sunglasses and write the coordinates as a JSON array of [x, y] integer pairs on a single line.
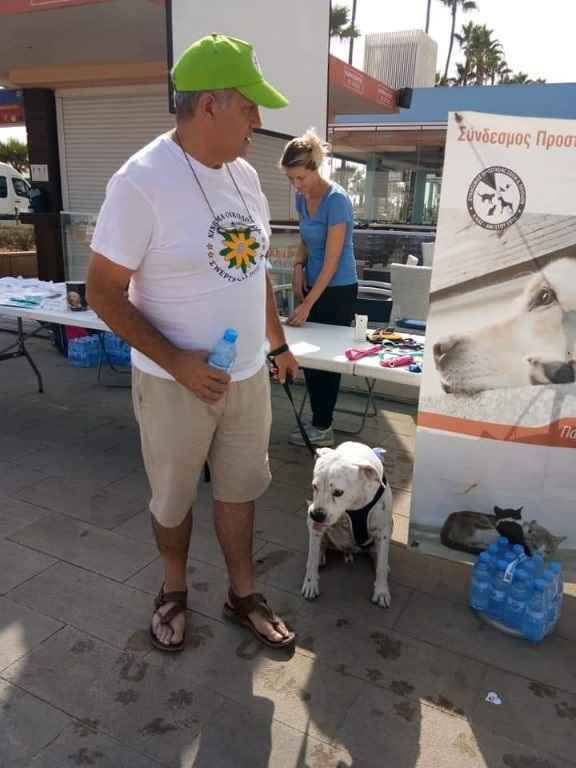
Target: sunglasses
[[235, 229]]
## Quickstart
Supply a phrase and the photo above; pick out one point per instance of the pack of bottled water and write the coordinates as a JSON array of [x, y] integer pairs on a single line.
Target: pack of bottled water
[[117, 350], [520, 594], [84, 351]]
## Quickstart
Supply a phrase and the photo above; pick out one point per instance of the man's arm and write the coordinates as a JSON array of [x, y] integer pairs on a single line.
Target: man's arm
[[106, 295], [286, 364]]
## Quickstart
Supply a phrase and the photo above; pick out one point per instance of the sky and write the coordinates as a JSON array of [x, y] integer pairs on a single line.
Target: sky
[[537, 38]]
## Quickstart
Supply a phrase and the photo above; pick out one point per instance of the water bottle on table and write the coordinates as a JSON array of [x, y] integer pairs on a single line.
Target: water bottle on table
[[223, 355]]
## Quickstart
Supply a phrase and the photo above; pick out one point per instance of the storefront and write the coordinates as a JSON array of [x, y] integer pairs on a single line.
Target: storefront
[[399, 158]]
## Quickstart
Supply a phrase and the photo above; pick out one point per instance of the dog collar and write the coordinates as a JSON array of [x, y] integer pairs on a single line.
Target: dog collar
[[359, 520]]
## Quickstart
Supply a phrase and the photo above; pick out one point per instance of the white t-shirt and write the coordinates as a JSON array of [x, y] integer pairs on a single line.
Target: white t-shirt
[[190, 280]]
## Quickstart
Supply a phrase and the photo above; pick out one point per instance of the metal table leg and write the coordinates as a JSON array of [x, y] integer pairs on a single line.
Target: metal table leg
[[22, 351]]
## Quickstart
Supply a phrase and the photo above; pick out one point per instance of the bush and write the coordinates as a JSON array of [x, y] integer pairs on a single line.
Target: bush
[[17, 237]]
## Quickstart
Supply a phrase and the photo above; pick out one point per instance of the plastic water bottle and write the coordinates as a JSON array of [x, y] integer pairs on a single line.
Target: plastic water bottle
[[534, 622], [480, 583], [503, 544], [558, 591], [538, 561], [493, 552], [550, 581], [84, 351], [518, 550], [518, 594], [498, 592], [223, 355], [530, 568]]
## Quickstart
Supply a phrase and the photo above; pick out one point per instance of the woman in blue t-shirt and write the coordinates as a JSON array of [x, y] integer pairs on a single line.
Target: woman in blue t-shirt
[[324, 278]]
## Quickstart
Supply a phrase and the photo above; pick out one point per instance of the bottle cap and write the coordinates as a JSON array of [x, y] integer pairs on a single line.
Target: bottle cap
[[540, 584], [485, 557], [230, 334]]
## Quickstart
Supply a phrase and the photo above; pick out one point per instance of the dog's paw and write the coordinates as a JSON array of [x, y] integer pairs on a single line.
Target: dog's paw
[[382, 597], [310, 588]]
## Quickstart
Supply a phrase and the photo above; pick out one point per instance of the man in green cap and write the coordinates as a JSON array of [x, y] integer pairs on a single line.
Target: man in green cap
[[185, 226]]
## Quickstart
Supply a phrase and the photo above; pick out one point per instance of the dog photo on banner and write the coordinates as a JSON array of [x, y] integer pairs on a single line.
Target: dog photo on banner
[[497, 411]]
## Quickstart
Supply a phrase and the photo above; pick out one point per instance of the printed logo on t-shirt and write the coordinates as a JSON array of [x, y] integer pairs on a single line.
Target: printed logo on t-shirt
[[235, 246]]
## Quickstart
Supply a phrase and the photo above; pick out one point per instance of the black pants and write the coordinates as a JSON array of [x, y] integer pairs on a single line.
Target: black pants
[[334, 307]]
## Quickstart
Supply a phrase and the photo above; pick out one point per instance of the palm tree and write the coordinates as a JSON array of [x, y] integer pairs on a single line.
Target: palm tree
[[341, 25], [518, 78], [428, 4], [14, 152], [454, 5], [484, 56]]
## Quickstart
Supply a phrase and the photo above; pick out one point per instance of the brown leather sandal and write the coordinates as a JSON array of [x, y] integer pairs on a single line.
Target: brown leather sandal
[[238, 608], [180, 598]]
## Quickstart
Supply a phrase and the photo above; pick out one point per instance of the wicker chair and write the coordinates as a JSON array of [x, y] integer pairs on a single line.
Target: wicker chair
[[410, 291]]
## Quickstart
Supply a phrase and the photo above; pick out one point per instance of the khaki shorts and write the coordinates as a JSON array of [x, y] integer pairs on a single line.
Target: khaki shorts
[[179, 432]]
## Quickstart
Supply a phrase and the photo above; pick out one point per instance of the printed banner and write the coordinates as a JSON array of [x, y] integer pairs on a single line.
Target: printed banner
[[497, 412]]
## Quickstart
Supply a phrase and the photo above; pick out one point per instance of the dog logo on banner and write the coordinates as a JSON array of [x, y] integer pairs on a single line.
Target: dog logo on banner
[[496, 198]]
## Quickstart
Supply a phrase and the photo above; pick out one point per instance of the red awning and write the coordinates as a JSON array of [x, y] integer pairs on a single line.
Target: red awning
[[10, 7], [353, 92]]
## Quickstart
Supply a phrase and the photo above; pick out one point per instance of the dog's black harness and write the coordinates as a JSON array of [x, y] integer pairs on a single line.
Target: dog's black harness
[[359, 521]]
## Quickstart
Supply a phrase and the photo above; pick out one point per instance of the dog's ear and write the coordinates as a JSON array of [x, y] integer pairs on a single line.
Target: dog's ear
[[370, 472], [322, 452]]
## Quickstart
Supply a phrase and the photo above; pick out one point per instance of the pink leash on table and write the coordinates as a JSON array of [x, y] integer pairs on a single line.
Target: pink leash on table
[[357, 354]]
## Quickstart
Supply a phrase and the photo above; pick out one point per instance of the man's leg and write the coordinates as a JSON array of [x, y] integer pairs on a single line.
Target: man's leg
[[173, 544], [175, 431], [234, 524]]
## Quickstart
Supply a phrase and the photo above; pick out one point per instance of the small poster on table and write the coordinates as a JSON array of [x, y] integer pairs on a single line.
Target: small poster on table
[[496, 435]]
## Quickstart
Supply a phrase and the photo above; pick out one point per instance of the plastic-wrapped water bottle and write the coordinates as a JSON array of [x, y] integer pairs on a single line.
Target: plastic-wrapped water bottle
[[84, 351], [518, 594], [503, 545], [498, 592], [480, 583], [493, 551], [534, 622], [548, 578], [518, 550], [223, 355], [538, 561], [556, 569], [530, 568]]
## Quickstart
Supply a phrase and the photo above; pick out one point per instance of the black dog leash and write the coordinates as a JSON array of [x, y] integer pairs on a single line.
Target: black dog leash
[[287, 382]]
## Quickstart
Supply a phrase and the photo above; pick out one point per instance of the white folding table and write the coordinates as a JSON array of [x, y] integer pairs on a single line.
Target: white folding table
[[322, 347], [314, 345]]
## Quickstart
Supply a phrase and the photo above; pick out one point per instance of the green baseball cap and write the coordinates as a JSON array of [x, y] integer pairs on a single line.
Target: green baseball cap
[[217, 62]]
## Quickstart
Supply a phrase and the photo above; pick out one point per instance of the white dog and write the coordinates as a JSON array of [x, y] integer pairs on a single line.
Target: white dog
[[351, 510], [536, 344]]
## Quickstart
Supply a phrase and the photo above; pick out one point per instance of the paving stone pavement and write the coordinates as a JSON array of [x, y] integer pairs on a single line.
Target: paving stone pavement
[[364, 687]]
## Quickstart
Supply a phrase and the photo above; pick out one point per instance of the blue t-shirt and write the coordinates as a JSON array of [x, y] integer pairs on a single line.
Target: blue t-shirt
[[335, 208]]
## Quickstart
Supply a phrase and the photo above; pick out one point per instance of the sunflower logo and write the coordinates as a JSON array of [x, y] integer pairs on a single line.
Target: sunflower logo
[[240, 249]]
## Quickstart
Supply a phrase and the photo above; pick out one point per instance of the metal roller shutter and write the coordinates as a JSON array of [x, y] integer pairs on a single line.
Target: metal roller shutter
[[264, 155], [101, 127]]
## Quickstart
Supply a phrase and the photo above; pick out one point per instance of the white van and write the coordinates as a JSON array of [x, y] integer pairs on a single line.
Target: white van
[[14, 191]]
